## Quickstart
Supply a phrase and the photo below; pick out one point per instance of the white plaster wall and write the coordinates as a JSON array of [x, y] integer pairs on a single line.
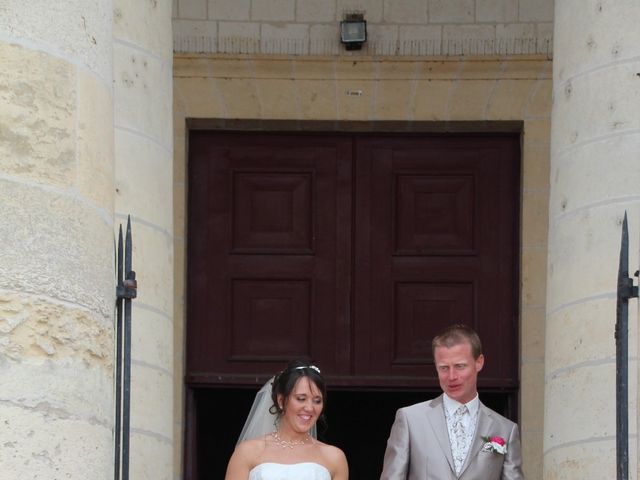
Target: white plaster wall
[[595, 177], [144, 178], [56, 254], [395, 27]]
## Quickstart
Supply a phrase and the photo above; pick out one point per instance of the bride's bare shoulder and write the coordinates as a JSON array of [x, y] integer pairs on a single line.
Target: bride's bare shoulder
[[335, 460], [244, 458], [332, 453], [250, 448]]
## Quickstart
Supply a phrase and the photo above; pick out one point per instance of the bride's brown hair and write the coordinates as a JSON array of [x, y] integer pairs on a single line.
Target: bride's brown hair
[[284, 382]]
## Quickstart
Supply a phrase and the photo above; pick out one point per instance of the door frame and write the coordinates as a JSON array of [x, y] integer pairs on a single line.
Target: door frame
[[331, 127]]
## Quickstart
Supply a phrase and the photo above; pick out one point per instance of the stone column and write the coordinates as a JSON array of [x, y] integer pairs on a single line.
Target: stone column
[[143, 59], [594, 178], [56, 239]]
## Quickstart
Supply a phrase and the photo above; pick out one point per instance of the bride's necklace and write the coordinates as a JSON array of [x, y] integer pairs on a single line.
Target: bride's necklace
[[281, 442]]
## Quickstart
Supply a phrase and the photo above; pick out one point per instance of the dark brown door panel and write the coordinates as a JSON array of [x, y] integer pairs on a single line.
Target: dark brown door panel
[[353, 250], [267, 273], [436, 237]]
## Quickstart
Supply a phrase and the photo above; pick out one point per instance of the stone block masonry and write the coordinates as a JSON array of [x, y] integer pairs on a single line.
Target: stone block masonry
[[310, 27]]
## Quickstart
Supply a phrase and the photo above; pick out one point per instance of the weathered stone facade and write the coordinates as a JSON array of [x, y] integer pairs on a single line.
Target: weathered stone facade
[[143, 178], [460, 91], [94, 126], [85, 89], [398, 28], [594, 178], [56, 287]]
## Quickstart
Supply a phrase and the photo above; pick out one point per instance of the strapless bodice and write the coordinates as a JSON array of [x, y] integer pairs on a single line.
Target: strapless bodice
[[295, 471]]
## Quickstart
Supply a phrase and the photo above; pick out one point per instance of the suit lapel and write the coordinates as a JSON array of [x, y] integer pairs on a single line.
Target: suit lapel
[[483, 429], [435, 415]]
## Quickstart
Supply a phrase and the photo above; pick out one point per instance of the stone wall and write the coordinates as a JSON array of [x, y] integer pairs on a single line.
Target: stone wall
[[395, 27], [144, 175], [56, 255], [463, 93], [85, 139], [594, 179]]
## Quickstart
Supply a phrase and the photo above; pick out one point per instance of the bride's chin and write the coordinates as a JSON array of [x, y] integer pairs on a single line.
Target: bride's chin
[[305, 428], [300, 427]]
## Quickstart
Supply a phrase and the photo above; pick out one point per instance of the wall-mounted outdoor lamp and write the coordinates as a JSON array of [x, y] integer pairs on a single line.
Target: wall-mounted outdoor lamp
[[353, 31]]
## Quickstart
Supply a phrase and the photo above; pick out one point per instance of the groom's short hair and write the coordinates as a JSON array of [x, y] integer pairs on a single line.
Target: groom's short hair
[[455, 335]]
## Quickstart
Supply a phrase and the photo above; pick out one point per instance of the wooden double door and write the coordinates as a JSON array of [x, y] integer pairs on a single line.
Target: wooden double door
[[350, 249]]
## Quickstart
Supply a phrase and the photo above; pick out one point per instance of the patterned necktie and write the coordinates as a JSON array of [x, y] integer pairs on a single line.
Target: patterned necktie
[[460, 439]]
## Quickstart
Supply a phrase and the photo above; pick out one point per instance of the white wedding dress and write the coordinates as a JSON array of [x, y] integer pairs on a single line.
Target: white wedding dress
[[295, 471]]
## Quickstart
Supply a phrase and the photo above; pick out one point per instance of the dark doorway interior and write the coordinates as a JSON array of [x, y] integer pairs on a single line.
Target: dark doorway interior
[[358, 422]]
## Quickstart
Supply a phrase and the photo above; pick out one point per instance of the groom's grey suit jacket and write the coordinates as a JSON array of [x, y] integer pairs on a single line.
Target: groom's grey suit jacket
[[418, 447]]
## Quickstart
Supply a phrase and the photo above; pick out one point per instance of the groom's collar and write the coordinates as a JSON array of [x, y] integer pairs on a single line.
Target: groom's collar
[[452, 405]]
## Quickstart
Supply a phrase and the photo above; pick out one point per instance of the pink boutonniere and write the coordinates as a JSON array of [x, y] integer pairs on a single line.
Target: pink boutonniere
[[495, 444]]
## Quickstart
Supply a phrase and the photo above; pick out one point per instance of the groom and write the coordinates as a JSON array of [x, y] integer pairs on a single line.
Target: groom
[[453, 436]]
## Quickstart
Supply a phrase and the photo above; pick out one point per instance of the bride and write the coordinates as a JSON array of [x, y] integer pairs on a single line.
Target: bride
[[278, 440]]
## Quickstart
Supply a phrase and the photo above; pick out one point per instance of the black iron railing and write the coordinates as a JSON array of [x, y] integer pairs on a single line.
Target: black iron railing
[[126, 290], [626, 290]]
